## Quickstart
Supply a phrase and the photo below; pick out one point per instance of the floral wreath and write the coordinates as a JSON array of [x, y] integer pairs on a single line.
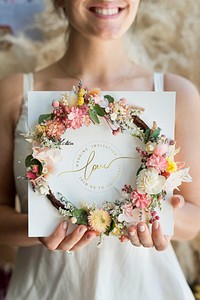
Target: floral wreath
[[157, 175]]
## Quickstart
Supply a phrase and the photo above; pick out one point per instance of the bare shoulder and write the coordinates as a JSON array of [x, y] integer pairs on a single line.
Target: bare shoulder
[[187, 93]]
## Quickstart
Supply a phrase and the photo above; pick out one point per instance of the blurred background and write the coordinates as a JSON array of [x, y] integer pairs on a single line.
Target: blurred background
[[166, 37]]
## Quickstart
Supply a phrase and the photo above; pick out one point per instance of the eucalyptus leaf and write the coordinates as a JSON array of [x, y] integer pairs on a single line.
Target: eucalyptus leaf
[[109, 98], [147, 134], [93, 116], [45, 117], [155, 134], [100, 112]]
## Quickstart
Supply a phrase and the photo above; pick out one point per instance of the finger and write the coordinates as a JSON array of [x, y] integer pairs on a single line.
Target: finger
[[85, 240], [144, 235], [52, 241], [124, 238], [160, 241], [133, 237], [177, 201], [73, 238]]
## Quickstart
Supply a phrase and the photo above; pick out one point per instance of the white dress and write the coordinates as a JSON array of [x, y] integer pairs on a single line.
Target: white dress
[[116, 271]]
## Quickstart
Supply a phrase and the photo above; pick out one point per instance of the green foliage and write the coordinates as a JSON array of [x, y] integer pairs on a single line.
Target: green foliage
[[93, 116], [146, 135], [110, 228], [98, 110], [45, 117], [31, 161], [109, 98], [80, 215], [155, 134]]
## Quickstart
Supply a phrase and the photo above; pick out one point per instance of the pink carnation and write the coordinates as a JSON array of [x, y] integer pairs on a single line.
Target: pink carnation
[[140, 200], [157, 162]]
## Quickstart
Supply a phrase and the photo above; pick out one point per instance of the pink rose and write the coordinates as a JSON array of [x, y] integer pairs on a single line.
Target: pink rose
[[31, 175]]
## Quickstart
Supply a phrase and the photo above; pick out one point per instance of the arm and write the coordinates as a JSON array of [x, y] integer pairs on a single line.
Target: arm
[[13, 224], [187, 136]]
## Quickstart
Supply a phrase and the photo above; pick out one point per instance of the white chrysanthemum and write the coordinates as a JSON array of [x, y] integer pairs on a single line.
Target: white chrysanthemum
[[149, 181]]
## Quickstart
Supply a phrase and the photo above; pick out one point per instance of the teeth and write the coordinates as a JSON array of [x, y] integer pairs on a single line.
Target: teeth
[[106, 12]]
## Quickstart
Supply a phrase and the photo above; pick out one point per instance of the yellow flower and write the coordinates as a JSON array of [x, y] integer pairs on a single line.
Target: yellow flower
[[116, 231], [81, 94], [171, 166], [99, 220]]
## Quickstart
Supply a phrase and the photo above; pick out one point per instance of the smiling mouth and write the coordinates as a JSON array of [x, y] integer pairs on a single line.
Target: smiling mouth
[[106, 11]]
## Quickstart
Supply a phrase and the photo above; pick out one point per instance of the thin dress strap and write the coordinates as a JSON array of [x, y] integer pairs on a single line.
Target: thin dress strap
[[158, 82], [28, 83]]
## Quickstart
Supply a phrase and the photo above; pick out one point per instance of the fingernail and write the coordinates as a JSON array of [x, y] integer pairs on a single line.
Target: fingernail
[[181, 200], [65, 225], [82, 230], [131, 233], [155, 224], [142, 228], [90, 236]]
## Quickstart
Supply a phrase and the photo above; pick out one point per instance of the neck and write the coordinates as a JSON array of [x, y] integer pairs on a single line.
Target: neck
[[95, 60]]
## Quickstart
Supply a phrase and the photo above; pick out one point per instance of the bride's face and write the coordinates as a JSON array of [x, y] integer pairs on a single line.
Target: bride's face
[[108, 19]]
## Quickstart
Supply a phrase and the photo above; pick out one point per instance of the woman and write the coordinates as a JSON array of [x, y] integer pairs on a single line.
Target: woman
[[96, 53]]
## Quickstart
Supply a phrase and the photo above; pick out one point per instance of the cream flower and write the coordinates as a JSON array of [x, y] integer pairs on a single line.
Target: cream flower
[[99, 220], [149, 181], [175, 180], [41, 186], [72, 98]]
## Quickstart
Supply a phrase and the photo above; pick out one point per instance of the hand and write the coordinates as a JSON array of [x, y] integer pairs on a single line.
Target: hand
[[140, 236], [177, 201], [77, 239]]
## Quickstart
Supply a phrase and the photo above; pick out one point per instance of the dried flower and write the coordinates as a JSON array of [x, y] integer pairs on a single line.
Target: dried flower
[[99, 220]]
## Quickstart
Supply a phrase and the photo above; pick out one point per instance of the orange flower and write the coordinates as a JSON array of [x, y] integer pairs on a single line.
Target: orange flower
[[94, 92]]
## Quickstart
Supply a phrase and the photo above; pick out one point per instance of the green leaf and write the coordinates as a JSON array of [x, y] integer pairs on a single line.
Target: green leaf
[[93, 116], [45, 117], [81, 216], [109, 98], [138, 171], [156, 133], [30, 161], [100, 112], [110, 228], [147, 134]]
